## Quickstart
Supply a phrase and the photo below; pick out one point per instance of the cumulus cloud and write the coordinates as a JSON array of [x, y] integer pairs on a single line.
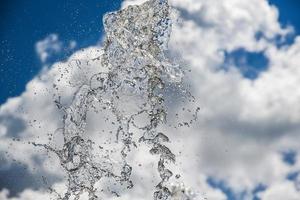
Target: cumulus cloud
[[34, 117], [243, 126], [52, 46], [25, 195], [282, 190]]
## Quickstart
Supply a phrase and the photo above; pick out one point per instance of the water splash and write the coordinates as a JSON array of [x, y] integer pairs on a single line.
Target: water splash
[[180, 192], [131, 88]]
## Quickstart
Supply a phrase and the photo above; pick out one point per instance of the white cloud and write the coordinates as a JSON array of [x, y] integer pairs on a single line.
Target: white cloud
[[36, 111], [283, 190], [25, 195], [48, 45], [243, 125], [3, 130], [52, 46]]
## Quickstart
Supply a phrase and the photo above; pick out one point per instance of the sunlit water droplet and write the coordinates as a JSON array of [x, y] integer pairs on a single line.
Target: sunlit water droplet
[[131, 88]]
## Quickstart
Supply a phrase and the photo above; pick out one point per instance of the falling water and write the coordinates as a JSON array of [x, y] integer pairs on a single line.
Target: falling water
[[131, 87]]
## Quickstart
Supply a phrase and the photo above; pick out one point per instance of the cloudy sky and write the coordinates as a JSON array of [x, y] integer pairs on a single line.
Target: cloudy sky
[[243, 57]]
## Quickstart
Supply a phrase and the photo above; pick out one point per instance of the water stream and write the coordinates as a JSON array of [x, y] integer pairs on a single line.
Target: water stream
[[131, 88]]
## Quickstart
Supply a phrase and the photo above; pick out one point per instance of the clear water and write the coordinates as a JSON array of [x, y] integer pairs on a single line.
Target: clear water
[[131, 89]]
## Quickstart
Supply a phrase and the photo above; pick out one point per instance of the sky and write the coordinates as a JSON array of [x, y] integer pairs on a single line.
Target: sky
[[23, 23], [289, 14], [244, 56]]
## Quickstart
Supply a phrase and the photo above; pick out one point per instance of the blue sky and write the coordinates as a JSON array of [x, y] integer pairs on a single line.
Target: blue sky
[[252, 63], [23, 23], [289, 12]]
